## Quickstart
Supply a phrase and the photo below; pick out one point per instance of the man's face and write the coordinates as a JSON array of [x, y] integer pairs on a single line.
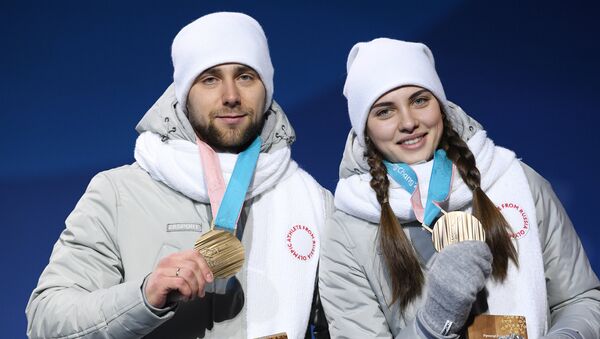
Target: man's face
[[226, 106]]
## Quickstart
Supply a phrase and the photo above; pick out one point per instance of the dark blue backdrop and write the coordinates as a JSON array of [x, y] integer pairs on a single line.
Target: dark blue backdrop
[[76, 77]]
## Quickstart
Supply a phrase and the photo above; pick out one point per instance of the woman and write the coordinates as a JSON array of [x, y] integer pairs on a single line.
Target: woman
[[380, 275]]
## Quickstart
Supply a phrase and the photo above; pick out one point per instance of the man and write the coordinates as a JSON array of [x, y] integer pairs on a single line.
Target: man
[[125, 266]]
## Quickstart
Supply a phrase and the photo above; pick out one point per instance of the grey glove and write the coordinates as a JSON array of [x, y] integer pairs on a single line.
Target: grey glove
[[453, 281]]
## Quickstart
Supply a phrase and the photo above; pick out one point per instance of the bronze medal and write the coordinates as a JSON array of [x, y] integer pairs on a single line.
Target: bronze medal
[[221, 249], [454, 227], [223, 252]]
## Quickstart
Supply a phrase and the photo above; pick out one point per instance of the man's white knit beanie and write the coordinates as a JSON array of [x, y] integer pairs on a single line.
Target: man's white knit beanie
[[378, 66], [215, 39]]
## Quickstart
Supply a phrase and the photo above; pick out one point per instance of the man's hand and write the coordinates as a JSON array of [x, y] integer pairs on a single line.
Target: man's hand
[[183, 272]]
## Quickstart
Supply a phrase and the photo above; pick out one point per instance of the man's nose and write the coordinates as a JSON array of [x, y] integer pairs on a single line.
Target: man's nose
[[231, 94]]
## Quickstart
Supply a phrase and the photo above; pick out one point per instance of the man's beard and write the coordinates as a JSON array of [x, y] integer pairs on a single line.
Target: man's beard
[[231, 140]]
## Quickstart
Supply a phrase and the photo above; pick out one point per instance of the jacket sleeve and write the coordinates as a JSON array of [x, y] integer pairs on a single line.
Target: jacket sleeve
[[351, 307], [572, 286], [81, 292]]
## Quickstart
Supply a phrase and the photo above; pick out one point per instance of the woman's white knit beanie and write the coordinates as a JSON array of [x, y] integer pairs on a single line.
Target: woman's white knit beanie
[[215, 39], [378, 66]]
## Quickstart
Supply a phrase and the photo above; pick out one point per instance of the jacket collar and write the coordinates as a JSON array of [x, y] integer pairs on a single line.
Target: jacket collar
[[166, 119]]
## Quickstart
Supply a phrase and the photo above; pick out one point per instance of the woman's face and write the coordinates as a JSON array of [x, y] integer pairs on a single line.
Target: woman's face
[[406, 124]]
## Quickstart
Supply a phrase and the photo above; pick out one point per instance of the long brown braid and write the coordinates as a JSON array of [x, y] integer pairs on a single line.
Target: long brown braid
[[403, 267], [401, 262], [495, 225]]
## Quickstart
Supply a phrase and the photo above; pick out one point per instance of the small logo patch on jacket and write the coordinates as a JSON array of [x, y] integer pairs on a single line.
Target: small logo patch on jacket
[[184, 227]]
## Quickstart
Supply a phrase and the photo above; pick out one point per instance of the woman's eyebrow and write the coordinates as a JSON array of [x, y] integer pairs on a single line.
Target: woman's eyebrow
[[383, 104], [417, 93]]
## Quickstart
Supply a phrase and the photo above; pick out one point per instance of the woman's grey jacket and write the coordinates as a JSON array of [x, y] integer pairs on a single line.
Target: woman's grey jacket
[[355, 292]]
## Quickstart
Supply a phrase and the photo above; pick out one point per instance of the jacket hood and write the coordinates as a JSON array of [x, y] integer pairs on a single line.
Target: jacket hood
[[166, 119], [354, 161]]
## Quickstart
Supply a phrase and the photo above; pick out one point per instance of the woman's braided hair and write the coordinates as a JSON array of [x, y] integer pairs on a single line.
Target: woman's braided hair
[[403, 267], [401, 262]]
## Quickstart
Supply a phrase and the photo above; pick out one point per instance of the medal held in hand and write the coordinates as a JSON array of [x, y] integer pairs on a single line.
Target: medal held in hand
[[451, 227], [454, 227], [222, 250]]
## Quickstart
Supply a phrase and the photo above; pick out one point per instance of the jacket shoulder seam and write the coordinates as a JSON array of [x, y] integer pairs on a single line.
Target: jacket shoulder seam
[[115, 189]]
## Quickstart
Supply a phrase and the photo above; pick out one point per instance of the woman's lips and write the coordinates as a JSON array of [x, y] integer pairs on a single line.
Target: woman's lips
[[413, 142]]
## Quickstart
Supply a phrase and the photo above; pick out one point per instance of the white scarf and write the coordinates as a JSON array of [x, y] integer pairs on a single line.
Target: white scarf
[[503, 180], [282, 262], [177, 164]]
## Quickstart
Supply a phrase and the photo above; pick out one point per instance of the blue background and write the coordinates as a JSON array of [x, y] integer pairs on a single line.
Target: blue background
[[77, 76]]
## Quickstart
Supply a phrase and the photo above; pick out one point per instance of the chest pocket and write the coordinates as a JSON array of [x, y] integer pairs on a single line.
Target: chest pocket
[[179, 237]]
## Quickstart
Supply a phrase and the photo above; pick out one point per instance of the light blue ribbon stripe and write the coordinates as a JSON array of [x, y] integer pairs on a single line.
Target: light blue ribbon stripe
[[236, 190], [403, 175], [439, 185]]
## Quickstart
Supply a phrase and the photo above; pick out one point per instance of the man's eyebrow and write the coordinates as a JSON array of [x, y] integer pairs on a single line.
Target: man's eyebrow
[[244, 69], [214, 71]]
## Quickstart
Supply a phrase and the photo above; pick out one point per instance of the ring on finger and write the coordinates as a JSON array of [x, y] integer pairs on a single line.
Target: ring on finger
[[177, 272]]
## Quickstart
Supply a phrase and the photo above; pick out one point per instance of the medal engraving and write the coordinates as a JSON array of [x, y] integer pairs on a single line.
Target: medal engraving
[[454, 227], [223, 252]]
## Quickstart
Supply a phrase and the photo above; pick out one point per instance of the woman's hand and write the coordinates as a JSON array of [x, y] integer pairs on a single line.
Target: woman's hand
[[453, 281]]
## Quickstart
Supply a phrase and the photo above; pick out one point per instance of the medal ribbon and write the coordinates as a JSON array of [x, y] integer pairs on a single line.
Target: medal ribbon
[[439, 185], [226, 202]]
